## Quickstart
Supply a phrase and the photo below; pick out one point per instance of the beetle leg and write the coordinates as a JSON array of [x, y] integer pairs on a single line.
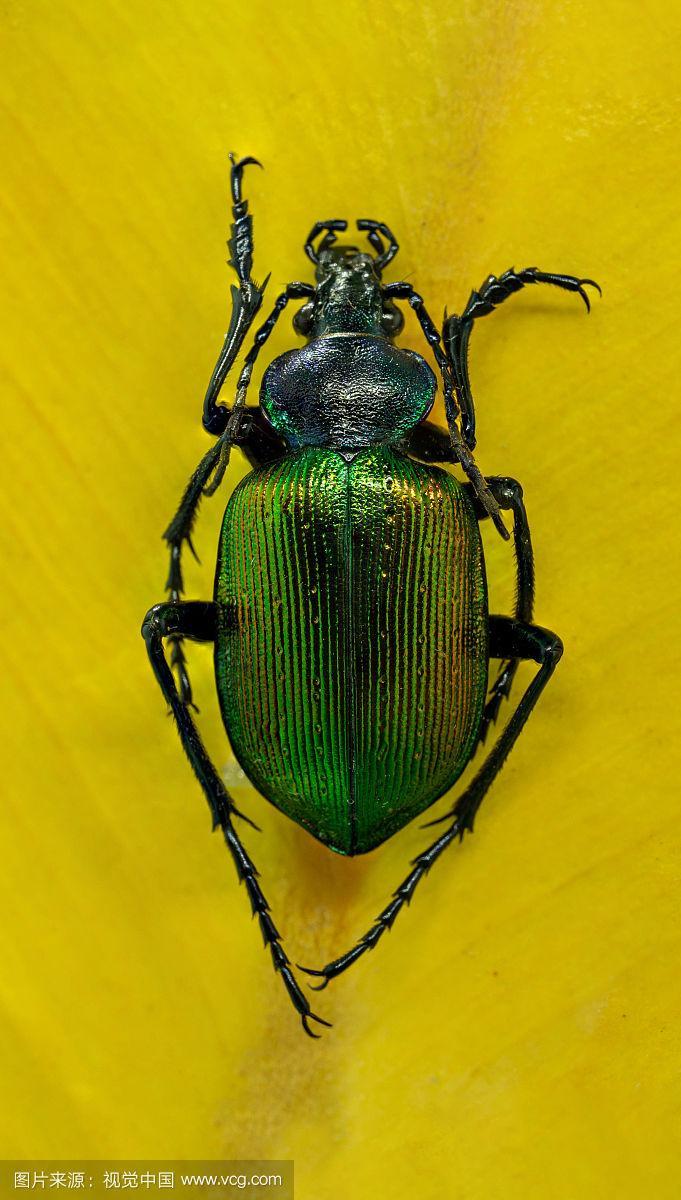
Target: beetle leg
[[456, 330], [431, 444], [196, 620], [509, 494], [246, 299], [292, 291], [460, 451], [258, 440], [204, 482], [509, 639], [178, 532]]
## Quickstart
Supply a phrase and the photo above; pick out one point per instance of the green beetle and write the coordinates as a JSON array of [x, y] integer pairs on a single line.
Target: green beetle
[[350, 618]]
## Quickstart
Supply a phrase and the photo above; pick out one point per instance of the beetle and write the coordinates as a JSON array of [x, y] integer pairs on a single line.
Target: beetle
[[350, 616]]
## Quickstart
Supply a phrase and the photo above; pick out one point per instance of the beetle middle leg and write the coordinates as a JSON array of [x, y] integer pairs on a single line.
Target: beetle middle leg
[[430, 443], [460, 451], [509, 640], [197, 620]]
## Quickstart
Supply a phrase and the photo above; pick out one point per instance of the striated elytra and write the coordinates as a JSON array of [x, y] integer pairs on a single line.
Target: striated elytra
[[351, 648], [350, 616]]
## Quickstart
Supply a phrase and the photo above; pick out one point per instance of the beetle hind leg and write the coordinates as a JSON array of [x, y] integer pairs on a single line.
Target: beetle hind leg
[[510, 640], [196, 620]]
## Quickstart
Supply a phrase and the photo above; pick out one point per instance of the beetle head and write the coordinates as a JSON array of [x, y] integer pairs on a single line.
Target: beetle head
[[349, 294]]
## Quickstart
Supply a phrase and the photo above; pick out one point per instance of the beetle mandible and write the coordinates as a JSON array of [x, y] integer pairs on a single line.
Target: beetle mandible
[[350, 618]]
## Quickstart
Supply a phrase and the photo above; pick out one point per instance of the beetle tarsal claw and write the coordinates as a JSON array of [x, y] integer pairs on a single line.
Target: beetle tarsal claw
[[326, 979], [584, 295], [237, 168], [313, 1017], [240, 163]]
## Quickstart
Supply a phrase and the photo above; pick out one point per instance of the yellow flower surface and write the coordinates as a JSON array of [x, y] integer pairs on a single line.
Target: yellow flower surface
[[517, 1034]]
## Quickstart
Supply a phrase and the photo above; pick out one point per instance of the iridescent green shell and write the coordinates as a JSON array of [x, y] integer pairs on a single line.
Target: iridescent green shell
[[351, 655]]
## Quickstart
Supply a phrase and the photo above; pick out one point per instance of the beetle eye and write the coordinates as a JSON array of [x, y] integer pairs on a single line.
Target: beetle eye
[[392, 320], [302, 321]]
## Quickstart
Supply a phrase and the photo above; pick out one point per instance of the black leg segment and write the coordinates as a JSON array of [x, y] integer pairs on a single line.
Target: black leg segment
[[258, 440], [292, 291], [456, 330], [509, 495], [178, 532], [243, 426], [431, 444], [197, 621], [509, 639], [246, 299], [460, 451]]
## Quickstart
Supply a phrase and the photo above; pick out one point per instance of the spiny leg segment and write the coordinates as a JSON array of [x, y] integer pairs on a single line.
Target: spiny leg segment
[[456, 330], [246, 300], [510, 639], [235, 425], [197, 620], [460, 452], [509, 495], [432, 444]]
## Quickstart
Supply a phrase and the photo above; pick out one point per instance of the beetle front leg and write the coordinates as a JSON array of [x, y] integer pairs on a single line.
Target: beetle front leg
[[178, 532], [456, 330], [197, 621], [245, 427], [246, 299], [460, 452], [509, 639]]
